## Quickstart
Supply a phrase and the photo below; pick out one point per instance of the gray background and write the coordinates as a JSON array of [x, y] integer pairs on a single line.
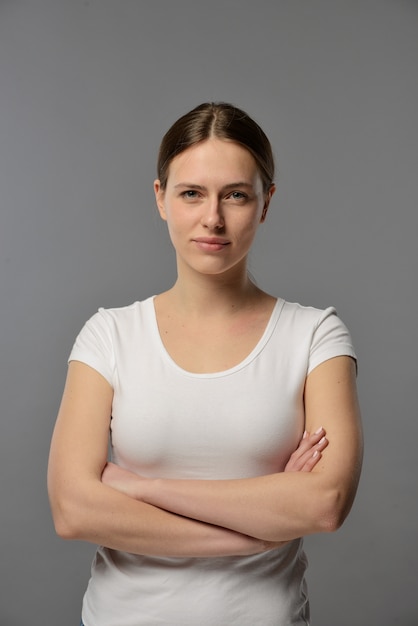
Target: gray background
[[86, 91]]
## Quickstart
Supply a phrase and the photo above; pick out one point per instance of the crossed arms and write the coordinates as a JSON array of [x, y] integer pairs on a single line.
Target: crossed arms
[[99, 502]]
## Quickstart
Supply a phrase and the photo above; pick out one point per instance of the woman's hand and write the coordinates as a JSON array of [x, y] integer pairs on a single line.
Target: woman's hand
[[308, 452]]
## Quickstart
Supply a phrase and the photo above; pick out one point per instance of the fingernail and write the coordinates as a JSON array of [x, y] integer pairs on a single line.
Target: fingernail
[[315, 454], [319, 430], [305, 434], [321, 441]]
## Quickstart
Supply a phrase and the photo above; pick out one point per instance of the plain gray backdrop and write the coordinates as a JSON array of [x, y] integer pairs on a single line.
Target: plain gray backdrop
[[87, 89]]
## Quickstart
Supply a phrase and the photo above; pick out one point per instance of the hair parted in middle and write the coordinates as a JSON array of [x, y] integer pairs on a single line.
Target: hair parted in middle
[[223, 121]]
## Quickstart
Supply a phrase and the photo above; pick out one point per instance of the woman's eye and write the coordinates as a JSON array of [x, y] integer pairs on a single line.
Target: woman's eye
[[189, 193], [238, 195]]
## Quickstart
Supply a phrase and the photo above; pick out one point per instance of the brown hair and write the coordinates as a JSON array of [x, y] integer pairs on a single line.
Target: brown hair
[[221, 120]]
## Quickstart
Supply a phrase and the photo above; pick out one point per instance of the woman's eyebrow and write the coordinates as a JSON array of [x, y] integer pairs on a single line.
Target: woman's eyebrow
[[190, 186], [241, 183]]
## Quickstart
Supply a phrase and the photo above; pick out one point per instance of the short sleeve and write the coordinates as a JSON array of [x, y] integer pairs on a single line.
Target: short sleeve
[[330, 338], [93, 346]]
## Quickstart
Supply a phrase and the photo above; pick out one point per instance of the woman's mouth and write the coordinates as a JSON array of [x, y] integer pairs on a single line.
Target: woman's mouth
[[211, 244]]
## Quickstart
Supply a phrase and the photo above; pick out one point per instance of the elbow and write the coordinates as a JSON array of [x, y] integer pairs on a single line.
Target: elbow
[[64, 523], [334, 511], [330, 523], [65, 529], [71, 507], [66, 513]]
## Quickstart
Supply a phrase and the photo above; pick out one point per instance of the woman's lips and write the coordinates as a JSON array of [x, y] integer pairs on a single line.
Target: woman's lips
[[211, 244]]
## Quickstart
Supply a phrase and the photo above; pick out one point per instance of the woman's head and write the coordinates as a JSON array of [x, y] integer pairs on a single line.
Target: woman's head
[[222, 121]]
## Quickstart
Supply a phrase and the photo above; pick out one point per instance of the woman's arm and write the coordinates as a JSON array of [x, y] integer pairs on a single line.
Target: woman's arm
[[84, 508], [291, 504]]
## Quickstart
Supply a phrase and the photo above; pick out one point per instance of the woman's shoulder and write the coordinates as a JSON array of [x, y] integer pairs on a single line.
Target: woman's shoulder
[[125, 312], [304, 314], [110, 320], [322, 331]]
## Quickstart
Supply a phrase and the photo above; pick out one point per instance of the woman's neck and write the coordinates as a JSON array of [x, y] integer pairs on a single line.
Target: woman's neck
[[208, 295]]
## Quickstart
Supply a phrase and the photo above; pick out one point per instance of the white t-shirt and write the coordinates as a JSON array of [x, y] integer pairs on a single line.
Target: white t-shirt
[[167, 422]]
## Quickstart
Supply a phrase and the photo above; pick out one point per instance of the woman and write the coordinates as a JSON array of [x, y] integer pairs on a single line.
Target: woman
[[218, 397]]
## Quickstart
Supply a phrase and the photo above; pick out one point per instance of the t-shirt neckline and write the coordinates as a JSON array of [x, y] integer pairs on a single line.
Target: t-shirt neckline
[[268, 331]]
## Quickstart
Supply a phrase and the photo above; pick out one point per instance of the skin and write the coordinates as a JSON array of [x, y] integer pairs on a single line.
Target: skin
[[213, 190], [213, 205]]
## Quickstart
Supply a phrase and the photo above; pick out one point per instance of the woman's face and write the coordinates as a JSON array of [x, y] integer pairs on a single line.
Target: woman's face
[[213, 203]]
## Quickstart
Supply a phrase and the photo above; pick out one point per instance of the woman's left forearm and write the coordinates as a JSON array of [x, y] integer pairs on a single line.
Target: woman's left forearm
[[277, 507]]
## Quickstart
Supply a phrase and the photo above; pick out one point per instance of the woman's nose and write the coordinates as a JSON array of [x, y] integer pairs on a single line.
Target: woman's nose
[[212, 216]]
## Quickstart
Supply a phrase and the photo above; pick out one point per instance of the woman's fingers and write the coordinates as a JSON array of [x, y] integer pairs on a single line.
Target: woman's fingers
[[308, 453]]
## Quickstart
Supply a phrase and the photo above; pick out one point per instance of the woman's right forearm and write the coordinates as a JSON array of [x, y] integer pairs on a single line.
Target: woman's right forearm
[[106, 517]]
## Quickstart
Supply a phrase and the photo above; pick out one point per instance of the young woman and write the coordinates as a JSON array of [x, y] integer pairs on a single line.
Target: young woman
[[233, 416]]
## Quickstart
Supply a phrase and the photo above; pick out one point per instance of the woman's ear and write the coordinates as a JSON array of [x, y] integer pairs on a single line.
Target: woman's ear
[[268, 197], [159, 198]]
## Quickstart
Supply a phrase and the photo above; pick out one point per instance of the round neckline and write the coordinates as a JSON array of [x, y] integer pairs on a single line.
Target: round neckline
[[274, 316]]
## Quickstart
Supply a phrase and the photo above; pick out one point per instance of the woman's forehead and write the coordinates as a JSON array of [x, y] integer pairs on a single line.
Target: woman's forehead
[[214, 158]]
